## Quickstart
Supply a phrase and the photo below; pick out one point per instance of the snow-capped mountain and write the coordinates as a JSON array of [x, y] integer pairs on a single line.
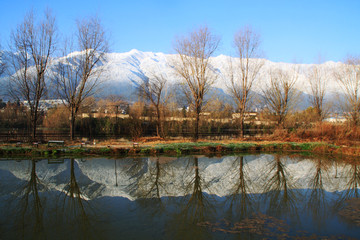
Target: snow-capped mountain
[[124, 70]]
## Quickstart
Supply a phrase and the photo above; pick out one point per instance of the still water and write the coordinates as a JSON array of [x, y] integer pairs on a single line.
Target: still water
[[195, 197]]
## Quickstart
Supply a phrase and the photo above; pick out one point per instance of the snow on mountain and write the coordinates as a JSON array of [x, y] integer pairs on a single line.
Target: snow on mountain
[[123, 71]]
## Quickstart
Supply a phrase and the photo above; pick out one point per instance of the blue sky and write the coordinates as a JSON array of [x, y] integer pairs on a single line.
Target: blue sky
[[292, 31]]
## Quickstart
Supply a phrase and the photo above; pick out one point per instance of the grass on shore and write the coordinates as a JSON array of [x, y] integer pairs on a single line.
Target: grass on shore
[[179, 148]]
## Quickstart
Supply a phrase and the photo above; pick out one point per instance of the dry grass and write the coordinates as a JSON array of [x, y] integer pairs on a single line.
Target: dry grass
[[337, 139], [319, 132]]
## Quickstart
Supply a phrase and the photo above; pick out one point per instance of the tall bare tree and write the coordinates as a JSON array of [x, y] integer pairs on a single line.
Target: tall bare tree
[[317, 79], [154, 89], [280, 94], [33, 44], [244, 70], [78, 74], [193, 65], [348, 76], [2, 62]]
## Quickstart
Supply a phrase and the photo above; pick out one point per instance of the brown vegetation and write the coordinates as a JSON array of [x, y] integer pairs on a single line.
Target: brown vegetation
[[56, 118]]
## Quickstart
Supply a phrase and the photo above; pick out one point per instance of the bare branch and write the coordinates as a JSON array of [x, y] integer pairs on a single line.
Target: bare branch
[[2, 62], [154, 88], [78, 73], [280, 94], [243, 71], [193, 66], [33, 45], [317, 79], [348, 77]]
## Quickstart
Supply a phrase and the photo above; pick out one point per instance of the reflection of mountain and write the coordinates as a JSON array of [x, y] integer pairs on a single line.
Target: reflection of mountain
[[180, 198], [132, 178]]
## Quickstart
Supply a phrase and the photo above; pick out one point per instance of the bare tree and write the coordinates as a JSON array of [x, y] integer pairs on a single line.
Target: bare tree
[[78, 74], [193, 65], [280, 94], [33, 45], [317, 79], [348, 76], [2, 62], [154, 90], [243, 73]]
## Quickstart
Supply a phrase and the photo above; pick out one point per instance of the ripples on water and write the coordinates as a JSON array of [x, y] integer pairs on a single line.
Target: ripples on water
[[246, 197]]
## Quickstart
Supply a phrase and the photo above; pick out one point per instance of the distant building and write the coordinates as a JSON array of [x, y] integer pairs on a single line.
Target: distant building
[[45, 105], [247, 115], [335, 119]]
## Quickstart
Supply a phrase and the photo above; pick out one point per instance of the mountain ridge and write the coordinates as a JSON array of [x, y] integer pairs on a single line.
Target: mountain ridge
[[123, 71]]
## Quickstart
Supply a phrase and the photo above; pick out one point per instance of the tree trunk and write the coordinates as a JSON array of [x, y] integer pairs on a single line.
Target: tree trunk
[[34, 132], [241, 133], [158, 124], [355, 118], [72, 126], [33, 120], [281, 121], [319, 114], [197, 121], [34, 128]]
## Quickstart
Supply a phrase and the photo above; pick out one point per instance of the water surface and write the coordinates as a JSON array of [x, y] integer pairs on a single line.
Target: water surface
[[234, 197]]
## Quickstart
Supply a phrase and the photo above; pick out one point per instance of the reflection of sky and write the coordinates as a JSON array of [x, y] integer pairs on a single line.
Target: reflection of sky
[[122, 209]]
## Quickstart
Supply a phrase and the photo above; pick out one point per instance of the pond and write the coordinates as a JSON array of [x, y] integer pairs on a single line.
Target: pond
[[195, 197]]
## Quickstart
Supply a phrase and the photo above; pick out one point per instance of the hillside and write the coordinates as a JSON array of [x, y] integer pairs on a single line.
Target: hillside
[[124, 70]]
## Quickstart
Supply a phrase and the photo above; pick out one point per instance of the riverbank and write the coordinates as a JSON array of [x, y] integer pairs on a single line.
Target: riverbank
[[155, 147]]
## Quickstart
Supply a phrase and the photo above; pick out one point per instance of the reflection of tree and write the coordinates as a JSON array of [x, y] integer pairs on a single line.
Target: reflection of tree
[[197, 206], [135, 170], [116, 176], [74, 208], [317, 201], [240, 200], [347, 206], [31, 208], [352, 186], [354, 181], [278, 190], [150, 187], [198, 202]]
